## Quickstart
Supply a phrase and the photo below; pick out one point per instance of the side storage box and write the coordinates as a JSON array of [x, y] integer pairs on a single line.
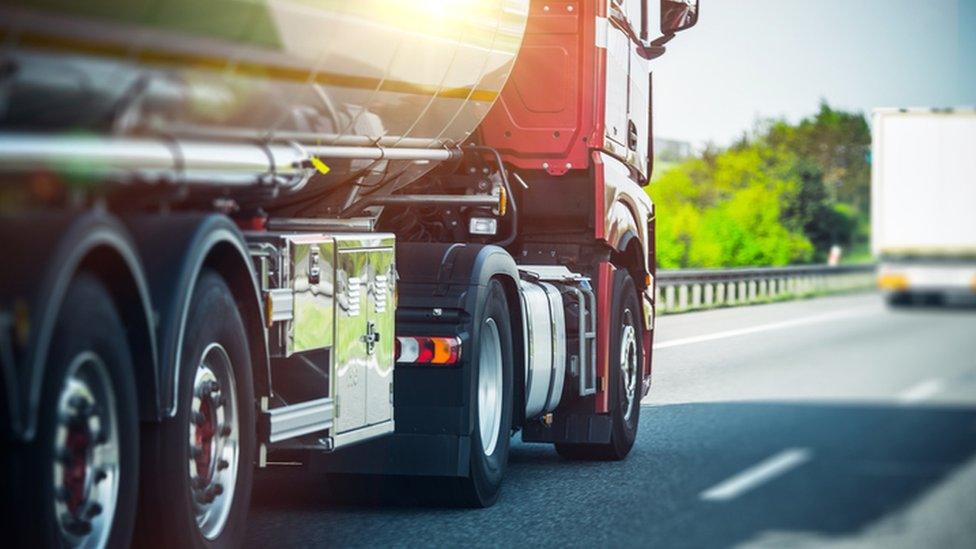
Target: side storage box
[[330, 303], [363, 388]]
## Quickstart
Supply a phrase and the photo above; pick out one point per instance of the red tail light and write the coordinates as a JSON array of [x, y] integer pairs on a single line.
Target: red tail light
[[438, 351]]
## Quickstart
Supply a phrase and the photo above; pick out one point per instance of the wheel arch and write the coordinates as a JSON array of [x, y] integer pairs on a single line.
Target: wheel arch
[[515, 312], [494, 263], [629, 254], [94, 242], [177, 248]]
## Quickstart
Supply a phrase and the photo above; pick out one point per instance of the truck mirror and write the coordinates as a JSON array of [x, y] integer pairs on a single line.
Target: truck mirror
[[678, 15]]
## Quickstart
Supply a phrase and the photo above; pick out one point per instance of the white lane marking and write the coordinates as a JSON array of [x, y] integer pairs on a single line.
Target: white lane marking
[[920, 391], [752, 477], [827, 317]]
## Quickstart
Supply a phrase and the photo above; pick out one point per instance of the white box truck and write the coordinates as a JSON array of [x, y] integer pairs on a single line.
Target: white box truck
[[923, 202]]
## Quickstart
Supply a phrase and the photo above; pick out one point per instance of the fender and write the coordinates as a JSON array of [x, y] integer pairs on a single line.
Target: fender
[[456, 276], [176, 247], [624, 208], [32, 291], [433, 415]]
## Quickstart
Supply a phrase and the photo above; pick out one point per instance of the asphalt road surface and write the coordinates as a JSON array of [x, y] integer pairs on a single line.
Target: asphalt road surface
[[833, 421]]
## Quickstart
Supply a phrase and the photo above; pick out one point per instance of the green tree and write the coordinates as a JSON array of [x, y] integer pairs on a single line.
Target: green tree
[[837, 142], [784, 194]]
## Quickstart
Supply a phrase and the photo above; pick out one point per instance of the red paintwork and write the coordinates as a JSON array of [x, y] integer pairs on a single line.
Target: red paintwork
[[604, 300], [599, 197], [647, 352], [252, 223], [550, 114]]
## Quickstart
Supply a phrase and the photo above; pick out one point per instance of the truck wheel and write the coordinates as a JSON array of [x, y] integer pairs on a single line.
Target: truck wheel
[[197, 486], [899, 299], [83, 466], [491, 396], [625, 372]]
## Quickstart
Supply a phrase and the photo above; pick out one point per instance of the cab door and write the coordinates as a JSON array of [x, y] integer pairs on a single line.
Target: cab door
[[616, 106], [627, 87]]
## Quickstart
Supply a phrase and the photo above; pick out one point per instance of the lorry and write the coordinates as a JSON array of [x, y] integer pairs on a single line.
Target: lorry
[[923, 187], [370, 238]]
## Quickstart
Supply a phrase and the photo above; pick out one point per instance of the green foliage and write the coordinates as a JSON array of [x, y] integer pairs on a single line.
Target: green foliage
[[784, 195]]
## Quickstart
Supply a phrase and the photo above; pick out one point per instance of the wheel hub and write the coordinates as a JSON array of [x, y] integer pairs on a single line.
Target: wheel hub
[[489, 386], [629, 364], [213, 440], [86, 451]]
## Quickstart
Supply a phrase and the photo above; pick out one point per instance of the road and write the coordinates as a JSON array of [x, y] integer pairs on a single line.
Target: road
[[833, 421]]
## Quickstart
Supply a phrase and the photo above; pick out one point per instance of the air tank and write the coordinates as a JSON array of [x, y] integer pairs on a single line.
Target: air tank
[[390, 73]]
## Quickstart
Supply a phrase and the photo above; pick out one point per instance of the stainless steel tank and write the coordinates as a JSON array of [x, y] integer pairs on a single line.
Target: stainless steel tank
[[392, 73]]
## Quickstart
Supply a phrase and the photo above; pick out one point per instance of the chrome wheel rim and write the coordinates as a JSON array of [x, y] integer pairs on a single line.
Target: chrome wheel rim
[[213, 440], [86, 454], [629, 363], [489, 386]]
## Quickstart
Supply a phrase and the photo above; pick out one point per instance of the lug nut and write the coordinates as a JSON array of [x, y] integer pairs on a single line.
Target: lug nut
[[206, 497], [99, 476], [222, 464], [199, 483], [101, 438], [94, 509], [225, 430], [79, 527], [218, 489], [85, 408], [214, 386]]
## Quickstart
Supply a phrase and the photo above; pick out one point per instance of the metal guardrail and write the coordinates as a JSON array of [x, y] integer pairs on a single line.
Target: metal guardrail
[[690, 289]]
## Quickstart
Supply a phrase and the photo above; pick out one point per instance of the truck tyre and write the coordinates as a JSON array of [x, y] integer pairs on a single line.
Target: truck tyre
[[491, 397], [625, 372], [899, 299], [199, 464], [82, 468]]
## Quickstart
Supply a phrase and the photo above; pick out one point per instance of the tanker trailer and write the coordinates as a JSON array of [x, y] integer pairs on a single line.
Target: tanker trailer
[[371, 237]]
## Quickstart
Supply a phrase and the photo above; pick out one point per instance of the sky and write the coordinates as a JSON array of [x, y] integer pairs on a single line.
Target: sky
[[751, 59]]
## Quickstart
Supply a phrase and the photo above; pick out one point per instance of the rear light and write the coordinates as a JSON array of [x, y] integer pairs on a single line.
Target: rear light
[[483, 226], [893, 281], [439, 351]]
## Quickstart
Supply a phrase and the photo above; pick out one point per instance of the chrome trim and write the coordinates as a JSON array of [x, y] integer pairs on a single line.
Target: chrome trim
[[214, 440], [383, 153], [282, 304], [490, 390], [629, 363], [365, 279], [300, 419], [213, 163], [86, 440], [557, 323], [321, 225], [579, 287], [361, 434], [470, 200], [545, 326]]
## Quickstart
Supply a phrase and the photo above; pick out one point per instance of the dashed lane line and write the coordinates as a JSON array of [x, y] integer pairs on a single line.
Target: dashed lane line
[[920, 391], [764, 471]]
